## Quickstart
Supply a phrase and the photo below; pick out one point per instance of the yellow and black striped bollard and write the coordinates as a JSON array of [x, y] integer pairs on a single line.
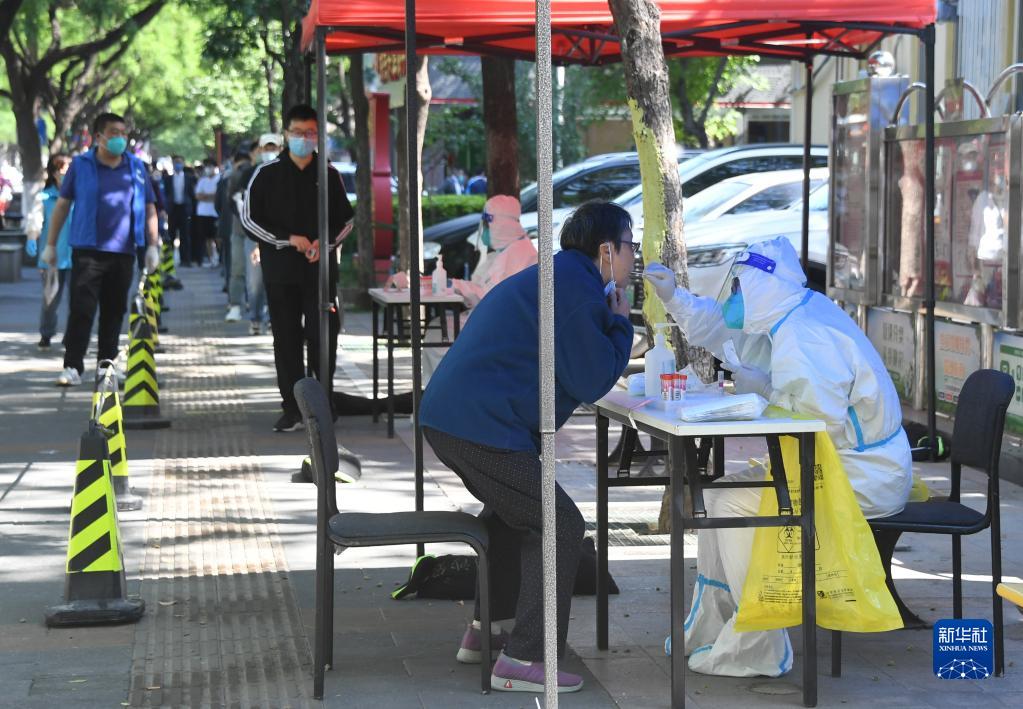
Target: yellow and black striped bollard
[[94, 588]]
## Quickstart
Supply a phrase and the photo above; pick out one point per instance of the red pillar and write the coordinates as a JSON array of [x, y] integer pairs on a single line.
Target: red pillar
[[383, 238]]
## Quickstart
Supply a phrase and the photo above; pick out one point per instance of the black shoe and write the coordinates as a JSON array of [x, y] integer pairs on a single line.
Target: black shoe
[[44, 343], [288, 422]]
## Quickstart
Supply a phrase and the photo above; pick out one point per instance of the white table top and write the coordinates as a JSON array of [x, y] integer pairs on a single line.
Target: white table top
[[623, 407], [403, 297]]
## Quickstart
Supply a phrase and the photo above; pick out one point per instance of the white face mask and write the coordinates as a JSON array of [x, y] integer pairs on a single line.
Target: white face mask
[[609, 288]]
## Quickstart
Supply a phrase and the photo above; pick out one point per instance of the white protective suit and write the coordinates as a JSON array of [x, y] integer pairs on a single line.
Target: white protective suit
[[822, 365], [510, 251]]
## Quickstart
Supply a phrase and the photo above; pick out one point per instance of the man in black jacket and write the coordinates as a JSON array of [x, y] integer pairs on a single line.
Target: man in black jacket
[[280, 212], [179, 189]]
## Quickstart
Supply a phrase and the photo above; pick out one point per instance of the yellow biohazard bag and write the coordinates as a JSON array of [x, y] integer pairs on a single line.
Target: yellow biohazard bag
[[851, 592]]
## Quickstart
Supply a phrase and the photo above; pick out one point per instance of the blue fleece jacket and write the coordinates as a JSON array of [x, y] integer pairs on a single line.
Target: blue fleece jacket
[[486, 389]]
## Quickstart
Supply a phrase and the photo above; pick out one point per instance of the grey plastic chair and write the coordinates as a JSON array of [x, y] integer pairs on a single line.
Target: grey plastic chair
[[363, 529], [977, 443]]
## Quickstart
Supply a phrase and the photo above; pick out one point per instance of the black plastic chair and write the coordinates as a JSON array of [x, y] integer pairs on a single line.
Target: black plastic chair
[[977, 443], [361, 529]]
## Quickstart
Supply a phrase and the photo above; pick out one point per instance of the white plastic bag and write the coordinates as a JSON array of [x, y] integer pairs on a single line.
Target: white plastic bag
[[739, 407]]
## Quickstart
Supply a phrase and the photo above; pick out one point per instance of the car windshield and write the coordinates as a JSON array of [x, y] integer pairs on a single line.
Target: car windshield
[[635, 195], [818, 200], [527, 196], [697, 206]]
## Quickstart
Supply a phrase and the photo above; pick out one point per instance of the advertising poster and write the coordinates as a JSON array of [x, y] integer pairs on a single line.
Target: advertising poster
[[893, 335], [957, 356], [1009, 359]]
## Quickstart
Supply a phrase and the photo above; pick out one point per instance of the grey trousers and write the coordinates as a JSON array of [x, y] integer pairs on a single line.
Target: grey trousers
[[508, 485]]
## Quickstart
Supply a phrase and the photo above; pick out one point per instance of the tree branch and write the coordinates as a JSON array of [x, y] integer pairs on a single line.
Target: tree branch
[[55, 35], [137, 21], [8, 11], [713, 90]]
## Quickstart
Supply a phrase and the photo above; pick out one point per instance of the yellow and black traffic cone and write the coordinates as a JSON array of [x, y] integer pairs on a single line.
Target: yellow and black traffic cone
[[167, 269], [141, 407], [154, 292], [107, 404], [94, 588], [143, 307]]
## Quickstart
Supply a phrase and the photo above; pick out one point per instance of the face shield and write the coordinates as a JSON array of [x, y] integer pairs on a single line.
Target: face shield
[[733, 307]]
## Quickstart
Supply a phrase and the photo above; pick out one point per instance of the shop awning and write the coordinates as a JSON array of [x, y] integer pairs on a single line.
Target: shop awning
[[583, 30]]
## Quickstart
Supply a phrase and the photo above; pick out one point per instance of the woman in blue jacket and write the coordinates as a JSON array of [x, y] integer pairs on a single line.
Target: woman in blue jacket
[[56, 168], [481, 414]]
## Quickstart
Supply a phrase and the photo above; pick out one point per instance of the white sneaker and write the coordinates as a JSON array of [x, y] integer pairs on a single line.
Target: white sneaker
[[69, 378], [254, 327], [234, 314]]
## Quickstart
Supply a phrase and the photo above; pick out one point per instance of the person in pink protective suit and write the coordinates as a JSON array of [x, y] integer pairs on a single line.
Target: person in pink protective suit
[[505, 249]]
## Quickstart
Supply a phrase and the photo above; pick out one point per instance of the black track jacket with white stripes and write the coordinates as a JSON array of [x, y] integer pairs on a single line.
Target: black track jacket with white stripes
[[281, 201]]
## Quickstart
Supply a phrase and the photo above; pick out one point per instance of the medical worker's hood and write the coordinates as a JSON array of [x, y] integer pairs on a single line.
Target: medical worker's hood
[[769, 296]]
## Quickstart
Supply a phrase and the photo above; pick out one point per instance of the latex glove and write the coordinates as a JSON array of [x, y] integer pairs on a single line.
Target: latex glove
[[751, 380], [32, 247], [50, 255], [662, 279], [152, 258]]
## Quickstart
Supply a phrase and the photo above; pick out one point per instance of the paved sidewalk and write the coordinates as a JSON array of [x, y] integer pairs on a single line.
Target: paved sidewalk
[[222, 553]]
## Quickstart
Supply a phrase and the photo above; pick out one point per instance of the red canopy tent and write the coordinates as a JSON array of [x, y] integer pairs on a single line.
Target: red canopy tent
[[583, 30]]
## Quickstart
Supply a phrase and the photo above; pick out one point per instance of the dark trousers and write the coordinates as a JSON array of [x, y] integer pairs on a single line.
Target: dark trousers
[[179, 226], [295, 319], [103, 279], [205, 232], [508, 485]]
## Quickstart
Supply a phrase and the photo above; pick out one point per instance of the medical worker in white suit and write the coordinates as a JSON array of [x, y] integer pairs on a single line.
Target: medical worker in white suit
[[821, 365]]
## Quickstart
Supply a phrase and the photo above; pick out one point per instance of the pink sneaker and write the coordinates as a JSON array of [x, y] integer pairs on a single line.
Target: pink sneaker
[[471, 651], [511, 675]]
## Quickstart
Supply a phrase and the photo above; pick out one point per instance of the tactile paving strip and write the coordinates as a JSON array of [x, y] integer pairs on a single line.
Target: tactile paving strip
[[222, 627]]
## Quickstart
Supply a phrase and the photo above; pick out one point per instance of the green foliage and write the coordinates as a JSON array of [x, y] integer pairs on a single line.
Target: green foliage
[[441, 207], [178, 99], [703, 78]]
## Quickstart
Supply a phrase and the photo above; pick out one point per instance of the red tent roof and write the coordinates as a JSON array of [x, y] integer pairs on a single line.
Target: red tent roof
[[583, 30]]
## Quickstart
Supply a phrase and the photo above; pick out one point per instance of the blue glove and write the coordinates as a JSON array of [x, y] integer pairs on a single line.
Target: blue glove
[[32, 247]]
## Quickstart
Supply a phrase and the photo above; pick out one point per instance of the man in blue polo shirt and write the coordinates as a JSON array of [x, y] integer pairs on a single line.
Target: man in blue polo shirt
[[115, 212]]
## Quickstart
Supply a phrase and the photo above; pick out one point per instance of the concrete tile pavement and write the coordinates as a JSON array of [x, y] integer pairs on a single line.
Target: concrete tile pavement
[[240, 577]]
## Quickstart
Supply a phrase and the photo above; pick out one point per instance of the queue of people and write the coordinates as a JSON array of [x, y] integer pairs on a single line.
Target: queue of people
[[480, 410]]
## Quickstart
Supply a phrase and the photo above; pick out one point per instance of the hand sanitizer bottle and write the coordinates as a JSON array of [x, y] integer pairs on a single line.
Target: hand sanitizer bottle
[[655, 359]]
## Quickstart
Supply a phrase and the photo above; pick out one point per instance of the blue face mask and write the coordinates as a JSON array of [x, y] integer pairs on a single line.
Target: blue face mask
[[485, 235], [733, 310], [117, 146], [301, 147]]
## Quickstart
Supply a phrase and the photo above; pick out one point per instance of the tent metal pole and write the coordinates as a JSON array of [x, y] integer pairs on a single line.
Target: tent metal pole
[[322, 164], [807, 138], [545, 284], [927, 35], [411, 147]]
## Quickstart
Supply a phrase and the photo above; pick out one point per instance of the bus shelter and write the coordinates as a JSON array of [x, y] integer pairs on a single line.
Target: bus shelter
[[584, 32]]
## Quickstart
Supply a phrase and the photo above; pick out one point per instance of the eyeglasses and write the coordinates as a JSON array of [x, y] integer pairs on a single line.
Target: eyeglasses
[[308, 135], [634, 246]]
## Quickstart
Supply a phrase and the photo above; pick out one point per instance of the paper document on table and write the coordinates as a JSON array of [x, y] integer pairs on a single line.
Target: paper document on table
[[739, 407]]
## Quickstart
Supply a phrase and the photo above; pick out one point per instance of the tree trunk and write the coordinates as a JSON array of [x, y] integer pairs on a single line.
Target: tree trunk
[[501, 123], [424, 94], [646, 81], [296, 72], [363, 180]]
